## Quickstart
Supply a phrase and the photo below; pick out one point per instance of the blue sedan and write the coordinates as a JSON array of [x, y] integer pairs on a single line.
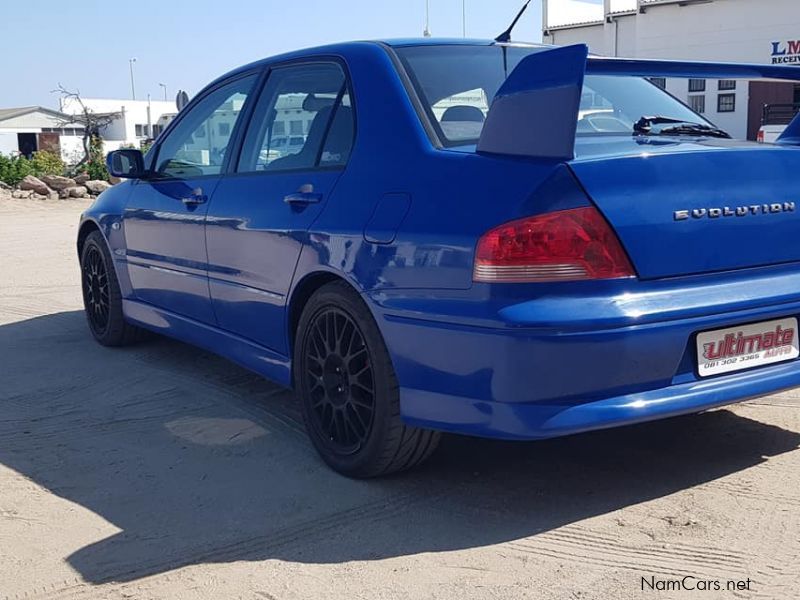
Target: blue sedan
[[494, 239]]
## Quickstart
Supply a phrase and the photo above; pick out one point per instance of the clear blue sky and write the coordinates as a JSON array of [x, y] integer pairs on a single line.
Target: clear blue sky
[[86, 44]]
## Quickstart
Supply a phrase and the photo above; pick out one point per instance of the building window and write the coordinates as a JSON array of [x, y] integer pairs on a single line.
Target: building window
[[726, 103], [698, 104], [727, 84], [697, 85], [141, 131], [296, 127], [224, 129], [279, 128], [660, 82]]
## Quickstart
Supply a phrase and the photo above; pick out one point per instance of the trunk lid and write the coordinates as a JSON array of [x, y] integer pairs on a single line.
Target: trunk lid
[[685, 207]]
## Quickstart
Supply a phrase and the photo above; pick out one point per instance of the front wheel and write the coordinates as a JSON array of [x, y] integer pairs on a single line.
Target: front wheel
[[102, 299], [348, 390]]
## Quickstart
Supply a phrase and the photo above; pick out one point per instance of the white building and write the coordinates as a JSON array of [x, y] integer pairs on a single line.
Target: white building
[[135, 122], [31, 128], [755, 31]]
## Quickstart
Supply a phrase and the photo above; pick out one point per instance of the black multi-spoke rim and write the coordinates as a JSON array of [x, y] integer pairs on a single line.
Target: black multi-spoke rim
[[339, 380], [95, 288]]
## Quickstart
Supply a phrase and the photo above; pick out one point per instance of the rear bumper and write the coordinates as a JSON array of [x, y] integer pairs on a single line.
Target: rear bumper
[[561, 365], [516, 421]]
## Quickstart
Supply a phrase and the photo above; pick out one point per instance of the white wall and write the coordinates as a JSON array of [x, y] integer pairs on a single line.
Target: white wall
[[8, 142], [593, 36], [71, 149]]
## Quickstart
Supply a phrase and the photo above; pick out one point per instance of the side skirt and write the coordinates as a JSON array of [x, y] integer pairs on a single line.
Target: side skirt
[[245, 353]]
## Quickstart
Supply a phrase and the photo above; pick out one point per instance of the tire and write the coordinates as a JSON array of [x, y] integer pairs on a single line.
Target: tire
[[102, 299], [348, 390]]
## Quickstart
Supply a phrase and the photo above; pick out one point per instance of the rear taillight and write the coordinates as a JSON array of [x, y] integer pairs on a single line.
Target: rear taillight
[[760, 136], [561, 246]]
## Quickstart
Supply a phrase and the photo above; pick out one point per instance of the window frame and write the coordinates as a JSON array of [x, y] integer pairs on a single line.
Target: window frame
[[234, 165], [692, 97], [151, 159], [730, 85], [700, 88], [719, 103]]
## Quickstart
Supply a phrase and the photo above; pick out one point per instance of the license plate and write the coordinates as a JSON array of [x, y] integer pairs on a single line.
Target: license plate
[[746, 346]]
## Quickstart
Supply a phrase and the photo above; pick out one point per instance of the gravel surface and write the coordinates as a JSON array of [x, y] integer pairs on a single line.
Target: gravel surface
[[161, 471]]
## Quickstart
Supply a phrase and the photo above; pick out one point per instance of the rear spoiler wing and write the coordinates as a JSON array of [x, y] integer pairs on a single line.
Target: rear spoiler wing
[[535, 112]]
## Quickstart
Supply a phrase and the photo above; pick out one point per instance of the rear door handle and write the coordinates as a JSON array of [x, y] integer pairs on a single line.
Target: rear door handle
[[305, 195]]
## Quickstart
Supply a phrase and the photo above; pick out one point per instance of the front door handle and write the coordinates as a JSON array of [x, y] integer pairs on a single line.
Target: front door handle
[[305, 195], [195, 198]]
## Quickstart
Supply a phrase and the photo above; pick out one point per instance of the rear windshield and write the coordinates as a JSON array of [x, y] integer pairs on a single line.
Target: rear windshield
[[457, 83]]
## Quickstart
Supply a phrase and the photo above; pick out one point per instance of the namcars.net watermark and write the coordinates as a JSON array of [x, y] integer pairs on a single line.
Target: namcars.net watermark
[[695, 584]]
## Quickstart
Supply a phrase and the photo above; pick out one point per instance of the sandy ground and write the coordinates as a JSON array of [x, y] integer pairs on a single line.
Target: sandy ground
[[161, 471]]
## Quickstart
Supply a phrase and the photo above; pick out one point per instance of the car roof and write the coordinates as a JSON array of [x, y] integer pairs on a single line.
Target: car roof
[[343, 47]]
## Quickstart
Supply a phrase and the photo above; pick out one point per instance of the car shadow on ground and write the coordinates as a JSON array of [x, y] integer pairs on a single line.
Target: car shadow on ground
[[196, 460]]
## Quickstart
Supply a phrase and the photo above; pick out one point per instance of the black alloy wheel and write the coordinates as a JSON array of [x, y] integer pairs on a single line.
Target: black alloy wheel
[[339, 380], [350, 397], [95, 290], [102, 299]]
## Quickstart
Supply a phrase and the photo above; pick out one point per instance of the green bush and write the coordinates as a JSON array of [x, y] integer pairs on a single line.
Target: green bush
[[47, 163], [96, 167], [14, 169]]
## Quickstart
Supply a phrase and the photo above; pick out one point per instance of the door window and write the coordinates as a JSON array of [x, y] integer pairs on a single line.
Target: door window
[[200, 141], [312, 104]]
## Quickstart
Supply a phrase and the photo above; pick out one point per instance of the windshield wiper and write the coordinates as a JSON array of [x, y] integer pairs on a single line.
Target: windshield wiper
[[644, 126]]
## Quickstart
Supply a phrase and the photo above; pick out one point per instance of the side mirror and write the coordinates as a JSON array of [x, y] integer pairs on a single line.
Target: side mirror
[[126, 163]]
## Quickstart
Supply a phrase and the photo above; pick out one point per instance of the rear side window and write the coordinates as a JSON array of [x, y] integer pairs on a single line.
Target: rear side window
[[457, 84], [303, 120]]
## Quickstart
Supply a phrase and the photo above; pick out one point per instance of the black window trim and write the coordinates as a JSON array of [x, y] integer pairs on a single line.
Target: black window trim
[[719, 103], [233, 171], [692, 97], [244, 117], [699, 90], [435, 135]]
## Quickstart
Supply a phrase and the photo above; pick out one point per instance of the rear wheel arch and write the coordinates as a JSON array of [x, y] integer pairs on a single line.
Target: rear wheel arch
[[301, 294]]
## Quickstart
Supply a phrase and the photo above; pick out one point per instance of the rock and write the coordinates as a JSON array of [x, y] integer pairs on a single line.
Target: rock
[[63, 194], [82, 178], [4, 186], [34, 184], [22, 194], [56, 182], [77, 192], [97, 186], [53, 195]]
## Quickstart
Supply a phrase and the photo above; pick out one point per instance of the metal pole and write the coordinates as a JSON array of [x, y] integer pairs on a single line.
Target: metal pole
[[133, 85], [163, 85], [149, 120], [464, 17], [427, 32]]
